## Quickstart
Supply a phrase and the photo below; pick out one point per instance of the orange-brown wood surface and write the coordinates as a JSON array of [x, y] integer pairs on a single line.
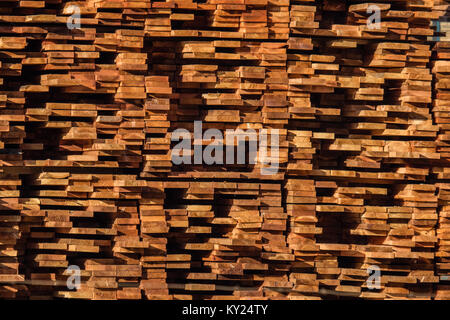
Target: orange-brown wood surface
[[86, 176]]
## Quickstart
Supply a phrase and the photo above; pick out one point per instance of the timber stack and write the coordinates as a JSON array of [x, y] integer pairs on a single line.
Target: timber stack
[[95, 93]]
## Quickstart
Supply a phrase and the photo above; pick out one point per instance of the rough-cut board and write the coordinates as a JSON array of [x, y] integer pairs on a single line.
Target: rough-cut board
[[86, 177]]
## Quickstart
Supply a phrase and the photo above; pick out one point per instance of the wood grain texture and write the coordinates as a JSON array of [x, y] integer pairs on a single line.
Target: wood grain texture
[[86, 177]]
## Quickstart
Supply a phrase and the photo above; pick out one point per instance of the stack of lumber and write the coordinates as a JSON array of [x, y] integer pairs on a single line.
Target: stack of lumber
[[441, 108], [361, 116]]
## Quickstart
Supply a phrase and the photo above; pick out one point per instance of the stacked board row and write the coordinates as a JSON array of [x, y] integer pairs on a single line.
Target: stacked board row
[[351, 115]]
